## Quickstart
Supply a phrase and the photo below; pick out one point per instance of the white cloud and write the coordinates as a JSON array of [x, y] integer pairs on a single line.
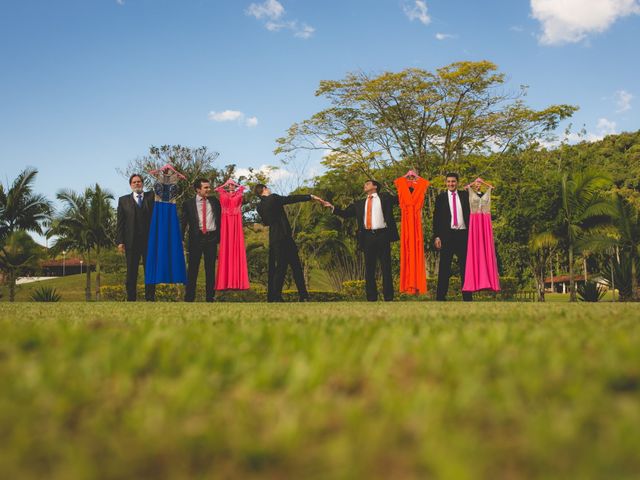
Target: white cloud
[[273, 173], [271, 12], [233, 116], [417, 11], [570, 21], [516, 28], [269, 9], [305, 31], [120, 2], [606, 127], [226, 116], [623, 100], [444, 36]]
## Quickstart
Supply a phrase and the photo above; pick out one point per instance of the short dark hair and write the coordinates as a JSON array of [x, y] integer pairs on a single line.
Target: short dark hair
[[259, 188], [198, 183], [134, 176], [376, 184], [452, 174]]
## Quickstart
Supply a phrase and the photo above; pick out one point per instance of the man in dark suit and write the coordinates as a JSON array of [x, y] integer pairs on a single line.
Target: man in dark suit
[[450, 233], [376, 230], [201, 219], [132, 234], [283, 251]]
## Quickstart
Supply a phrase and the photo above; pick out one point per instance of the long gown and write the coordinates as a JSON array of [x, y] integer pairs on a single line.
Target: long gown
[[165, 256], [232, 258], [413, 275], [481, 272]]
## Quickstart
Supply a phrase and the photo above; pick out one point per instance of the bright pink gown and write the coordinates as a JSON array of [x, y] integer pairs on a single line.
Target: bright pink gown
[[232, 257], [481, 272]]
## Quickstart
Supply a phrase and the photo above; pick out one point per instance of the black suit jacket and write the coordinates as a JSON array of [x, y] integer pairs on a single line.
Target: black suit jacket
[[271, 211], [126, 218], [356, 209], [442, 214], [190, 220]]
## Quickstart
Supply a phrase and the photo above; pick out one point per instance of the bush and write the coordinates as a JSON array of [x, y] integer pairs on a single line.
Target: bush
[[45, 294], [590, 291]]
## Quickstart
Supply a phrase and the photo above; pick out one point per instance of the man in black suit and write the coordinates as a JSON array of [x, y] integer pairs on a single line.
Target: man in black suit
[[450, 233], [201, 218], [282, 249], [132, 234], [376, 230]]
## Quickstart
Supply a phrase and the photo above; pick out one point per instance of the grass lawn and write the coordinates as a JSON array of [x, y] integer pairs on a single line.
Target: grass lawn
[[334, 390]]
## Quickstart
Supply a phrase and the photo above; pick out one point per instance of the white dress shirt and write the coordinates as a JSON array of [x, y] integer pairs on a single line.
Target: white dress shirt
[[211, 222], [458, 206], [377, 218], [135, 197]]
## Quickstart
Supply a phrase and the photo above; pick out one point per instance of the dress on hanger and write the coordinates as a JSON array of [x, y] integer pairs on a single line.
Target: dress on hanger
[[232, 257], [481, 272], [413, 275], [165, 255]]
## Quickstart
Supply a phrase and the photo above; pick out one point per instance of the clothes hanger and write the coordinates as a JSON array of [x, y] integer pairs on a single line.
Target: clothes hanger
[[166, 168], [481, 181], [235, 186]]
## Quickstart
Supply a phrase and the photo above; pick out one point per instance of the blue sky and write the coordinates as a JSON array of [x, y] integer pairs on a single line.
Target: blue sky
[[88, 85]]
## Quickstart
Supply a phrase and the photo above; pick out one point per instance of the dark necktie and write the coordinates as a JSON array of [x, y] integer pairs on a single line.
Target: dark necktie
[[139, 200]]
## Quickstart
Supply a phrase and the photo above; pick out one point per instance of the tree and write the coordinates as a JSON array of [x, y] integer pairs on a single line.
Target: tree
[[86, 224], [20, 208], [542, 246], [19, 254], [584, 207], [429, 119]]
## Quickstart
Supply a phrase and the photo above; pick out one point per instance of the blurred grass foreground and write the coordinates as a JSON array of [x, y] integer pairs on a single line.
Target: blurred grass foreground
[[336, 390]]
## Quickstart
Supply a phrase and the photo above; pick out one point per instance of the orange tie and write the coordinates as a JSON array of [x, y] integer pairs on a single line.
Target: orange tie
[[367, 222]]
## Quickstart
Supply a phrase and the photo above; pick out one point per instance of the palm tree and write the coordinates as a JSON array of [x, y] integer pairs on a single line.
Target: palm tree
[[18, 255], [86, 224], [541, 248], [20, 208], [584, 207]]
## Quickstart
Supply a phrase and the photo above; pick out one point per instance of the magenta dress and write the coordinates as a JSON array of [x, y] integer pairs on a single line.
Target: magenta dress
[[481, 272], [232, 257]]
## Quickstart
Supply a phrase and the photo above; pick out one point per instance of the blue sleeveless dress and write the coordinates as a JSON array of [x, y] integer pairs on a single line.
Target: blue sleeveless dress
[[165, 256]]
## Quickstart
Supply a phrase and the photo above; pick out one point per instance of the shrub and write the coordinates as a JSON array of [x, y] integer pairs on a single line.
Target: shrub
[[590, 291], [45, 294]]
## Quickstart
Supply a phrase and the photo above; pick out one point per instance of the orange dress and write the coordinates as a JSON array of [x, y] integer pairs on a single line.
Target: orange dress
[[413, 276]]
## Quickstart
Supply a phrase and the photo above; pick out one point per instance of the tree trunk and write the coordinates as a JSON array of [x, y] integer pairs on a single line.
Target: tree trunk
[[634, 279], [87, 288], [12, 285], [572, 282], [97, 275], [613, 283], [551, 274], [584, 267]]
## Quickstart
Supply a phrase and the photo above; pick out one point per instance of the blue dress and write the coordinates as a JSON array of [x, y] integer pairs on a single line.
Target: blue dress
[[165, 256]]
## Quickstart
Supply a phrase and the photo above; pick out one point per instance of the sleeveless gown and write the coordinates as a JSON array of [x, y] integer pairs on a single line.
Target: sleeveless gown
[[481, 272], [413, 275], [232, 258], [165, 256]]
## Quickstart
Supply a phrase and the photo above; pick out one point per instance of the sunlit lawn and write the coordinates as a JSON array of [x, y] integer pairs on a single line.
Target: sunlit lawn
[[336, 390]]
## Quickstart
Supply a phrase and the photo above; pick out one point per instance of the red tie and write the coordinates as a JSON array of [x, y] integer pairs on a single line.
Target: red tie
[[367, 223], [455, 209], [204, 215]]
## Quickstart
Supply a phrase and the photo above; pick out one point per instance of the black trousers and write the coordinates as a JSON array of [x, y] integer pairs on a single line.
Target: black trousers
[[377, 248], [282, 254], [133, 257], [204, 245], [455, 244]]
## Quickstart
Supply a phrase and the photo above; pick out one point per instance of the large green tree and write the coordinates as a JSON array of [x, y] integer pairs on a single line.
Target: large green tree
[[19, 255]]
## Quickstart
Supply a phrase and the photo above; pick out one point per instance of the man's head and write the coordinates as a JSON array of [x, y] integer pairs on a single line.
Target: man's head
[[371, 186], [136, 183], [452, 181], [261, 190], [202, 187]]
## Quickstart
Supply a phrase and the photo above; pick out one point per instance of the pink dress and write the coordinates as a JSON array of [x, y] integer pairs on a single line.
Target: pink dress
[[232, 257], [481, 272]]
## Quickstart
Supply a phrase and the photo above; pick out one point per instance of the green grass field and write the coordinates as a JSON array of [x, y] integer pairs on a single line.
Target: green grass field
[[336, 390]]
